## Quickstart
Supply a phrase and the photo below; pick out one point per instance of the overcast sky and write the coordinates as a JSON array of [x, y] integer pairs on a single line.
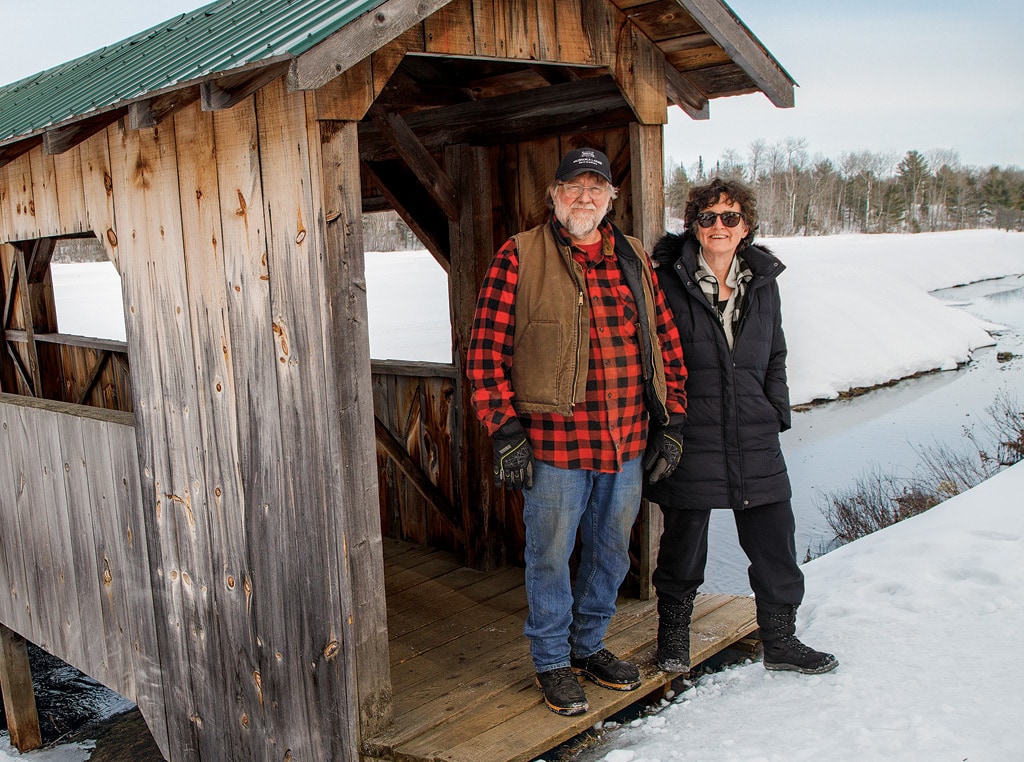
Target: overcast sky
[[878, 75]]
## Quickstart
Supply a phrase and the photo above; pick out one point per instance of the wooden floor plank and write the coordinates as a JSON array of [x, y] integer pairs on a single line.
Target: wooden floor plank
[[431, 602], [462, 674]]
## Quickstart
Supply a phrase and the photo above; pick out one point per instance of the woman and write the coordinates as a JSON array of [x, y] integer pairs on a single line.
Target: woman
[[725, 298]]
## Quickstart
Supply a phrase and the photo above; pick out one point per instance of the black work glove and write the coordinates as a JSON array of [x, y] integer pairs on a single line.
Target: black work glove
[[513, 457], [664, 449]]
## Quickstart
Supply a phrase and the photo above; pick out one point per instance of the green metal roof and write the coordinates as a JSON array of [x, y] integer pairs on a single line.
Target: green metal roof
[[220, 37]]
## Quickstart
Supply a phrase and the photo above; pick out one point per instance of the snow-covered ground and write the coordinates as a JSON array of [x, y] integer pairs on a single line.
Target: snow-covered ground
[[923, 616]]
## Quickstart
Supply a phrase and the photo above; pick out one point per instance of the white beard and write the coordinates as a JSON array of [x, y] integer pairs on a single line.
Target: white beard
[[581, 220]]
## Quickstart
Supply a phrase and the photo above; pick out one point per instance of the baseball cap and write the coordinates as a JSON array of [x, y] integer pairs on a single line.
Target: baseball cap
[[580, 160]]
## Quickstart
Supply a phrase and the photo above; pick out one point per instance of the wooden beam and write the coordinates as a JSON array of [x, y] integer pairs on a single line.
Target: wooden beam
[[19, 698], [434, 497], [89, 342], [94, 376], [12, 151], [33, 379], [19, 364], [579, 106], [150, 112], [683, 93], [356, 40], [743, 48], [225, 92], [38, 253], [61, 139], [418, 159], [415, 206]]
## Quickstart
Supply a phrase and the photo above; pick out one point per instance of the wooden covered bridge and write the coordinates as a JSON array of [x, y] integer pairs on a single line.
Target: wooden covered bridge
[[275, 547]]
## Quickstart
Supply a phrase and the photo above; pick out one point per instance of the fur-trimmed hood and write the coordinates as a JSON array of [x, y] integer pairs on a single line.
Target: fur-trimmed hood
[[671, 246]]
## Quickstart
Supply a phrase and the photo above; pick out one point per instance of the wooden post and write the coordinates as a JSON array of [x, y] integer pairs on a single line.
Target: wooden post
[[39, 315], [472, 247], [16, 685], [646, 172], [350, 403], [647, 182]]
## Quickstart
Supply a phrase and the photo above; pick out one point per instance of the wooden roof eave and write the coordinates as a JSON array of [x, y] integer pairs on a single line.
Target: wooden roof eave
[[314, 68], [743, 48], [218, 91]]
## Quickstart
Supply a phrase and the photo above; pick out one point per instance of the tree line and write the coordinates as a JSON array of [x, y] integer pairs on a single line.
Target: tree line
[[861, 192]]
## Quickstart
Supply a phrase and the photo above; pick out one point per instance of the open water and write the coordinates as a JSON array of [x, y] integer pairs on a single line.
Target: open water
[[832, 445]]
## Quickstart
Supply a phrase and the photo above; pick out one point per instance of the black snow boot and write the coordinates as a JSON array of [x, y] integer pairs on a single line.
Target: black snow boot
[[782, 650], [674, 634]]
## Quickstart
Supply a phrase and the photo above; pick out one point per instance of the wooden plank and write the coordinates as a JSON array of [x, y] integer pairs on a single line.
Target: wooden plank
[[349, 95], [97, 185], [356, 40], [86, 466], [44, 194], [743, 48], [521, 32], [21, 221], [450, 29], [485, 34], [441, 594], [436, 565], [19, 698], [40, 593], [70, 192], [254, 378], [15, 595], [547, 32], [232, 636], [6, 226], [573, 45], [413, 368], [537, 161], [144, 173], [602, 25], [131, 603], [51, 509]]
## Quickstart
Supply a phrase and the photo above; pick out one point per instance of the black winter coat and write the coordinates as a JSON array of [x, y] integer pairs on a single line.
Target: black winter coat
[[738, 402]]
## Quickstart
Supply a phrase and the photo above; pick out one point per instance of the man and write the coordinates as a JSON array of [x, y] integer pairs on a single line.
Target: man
[[573, 353]]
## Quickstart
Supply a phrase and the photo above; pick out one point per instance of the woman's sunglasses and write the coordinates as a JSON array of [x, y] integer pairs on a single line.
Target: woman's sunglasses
[[729, 219]]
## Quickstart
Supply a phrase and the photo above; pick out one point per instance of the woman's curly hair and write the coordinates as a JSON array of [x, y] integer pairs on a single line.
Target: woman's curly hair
[[703, 196]]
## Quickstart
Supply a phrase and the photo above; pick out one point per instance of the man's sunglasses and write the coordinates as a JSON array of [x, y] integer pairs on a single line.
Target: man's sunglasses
[[729, 219]]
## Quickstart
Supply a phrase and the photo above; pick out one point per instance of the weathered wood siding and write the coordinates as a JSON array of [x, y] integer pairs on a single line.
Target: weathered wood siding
[[244, 314], [74, 567]]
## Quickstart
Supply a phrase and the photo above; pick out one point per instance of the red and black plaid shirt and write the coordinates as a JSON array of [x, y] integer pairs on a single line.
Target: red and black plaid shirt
[[609, 427]]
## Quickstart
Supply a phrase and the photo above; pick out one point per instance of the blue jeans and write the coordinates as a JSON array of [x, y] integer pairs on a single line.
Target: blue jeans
[[567, 619]]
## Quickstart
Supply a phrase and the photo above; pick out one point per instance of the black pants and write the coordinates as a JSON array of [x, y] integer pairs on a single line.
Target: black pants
[[766, 534]]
